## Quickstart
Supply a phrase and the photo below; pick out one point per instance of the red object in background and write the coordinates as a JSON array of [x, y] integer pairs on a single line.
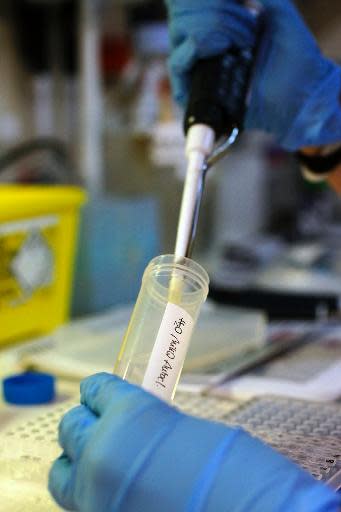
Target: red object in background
[[164, 87], [116, 52]]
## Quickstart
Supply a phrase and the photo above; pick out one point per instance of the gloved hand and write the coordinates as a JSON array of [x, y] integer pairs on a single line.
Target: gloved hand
[[295, 90], [125, 450]]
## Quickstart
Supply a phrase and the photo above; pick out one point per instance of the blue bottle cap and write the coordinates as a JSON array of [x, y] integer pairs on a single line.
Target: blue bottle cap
[[29, 388]]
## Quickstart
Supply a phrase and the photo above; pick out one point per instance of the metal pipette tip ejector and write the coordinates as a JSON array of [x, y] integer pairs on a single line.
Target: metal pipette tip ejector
[[215, 112], [201, 157]]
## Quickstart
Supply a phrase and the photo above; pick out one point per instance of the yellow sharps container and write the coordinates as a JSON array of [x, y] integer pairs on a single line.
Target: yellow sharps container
[[38, 231]]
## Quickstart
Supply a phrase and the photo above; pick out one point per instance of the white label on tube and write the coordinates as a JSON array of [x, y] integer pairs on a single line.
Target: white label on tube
[[169, 352]]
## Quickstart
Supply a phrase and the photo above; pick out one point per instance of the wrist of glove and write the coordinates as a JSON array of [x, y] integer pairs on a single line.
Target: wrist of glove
[[125, 450], [318, 121]]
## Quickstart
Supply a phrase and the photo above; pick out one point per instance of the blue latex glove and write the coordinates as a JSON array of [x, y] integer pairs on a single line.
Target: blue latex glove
[[295, 90], [125, 450]]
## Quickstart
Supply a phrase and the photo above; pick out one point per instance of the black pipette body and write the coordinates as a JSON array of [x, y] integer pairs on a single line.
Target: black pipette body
[[220, 85]]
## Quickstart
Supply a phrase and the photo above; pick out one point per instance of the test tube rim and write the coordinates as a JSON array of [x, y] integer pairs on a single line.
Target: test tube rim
[[170, 262]]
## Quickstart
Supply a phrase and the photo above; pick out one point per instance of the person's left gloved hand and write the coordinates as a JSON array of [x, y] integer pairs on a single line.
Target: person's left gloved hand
[[126, 450]]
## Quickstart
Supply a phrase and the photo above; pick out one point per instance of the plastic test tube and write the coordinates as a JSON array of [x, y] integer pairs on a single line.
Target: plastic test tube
[[153, 350]]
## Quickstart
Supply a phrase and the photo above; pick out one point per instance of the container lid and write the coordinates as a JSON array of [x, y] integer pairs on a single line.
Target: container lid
[[29, 388], [18, 200]]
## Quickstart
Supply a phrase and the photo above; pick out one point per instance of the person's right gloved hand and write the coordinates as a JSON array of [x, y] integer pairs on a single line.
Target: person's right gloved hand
[[126, 450], [295, 89]]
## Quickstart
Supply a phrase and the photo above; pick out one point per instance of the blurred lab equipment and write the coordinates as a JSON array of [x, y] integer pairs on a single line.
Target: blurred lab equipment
[[91, 103], [14, 111], [43, 160], [242, 205], [309, 371], [118, 237], [54, 51], [285, 280], [38, 231], [138, 102], [46, 39]]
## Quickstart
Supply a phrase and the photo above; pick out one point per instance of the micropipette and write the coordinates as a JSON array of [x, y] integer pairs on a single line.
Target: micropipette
[[215, 112], [212, 122]]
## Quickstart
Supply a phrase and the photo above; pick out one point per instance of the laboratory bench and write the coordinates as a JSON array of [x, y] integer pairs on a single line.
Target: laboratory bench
[[28, 434]]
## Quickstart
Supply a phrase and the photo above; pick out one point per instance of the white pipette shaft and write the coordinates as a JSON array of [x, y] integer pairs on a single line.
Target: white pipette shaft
[[199, 144], [189, 204]]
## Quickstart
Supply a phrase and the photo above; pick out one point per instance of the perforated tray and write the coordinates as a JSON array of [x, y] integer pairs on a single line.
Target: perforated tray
[[309, 433], [28, 445]]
